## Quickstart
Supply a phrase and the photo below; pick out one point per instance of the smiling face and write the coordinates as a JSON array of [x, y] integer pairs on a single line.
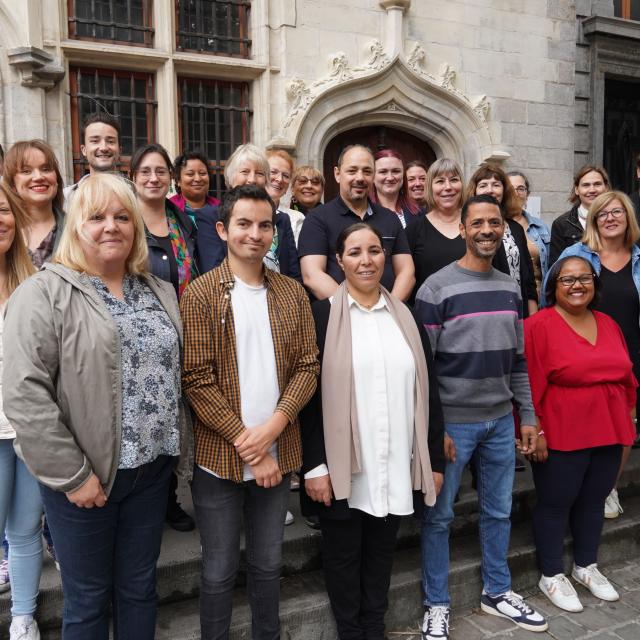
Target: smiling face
[[307, 190], [417, 184], [194, 180], [482, 230], [446, 189], [362, 260], [101, 147], [7, 225], [107, 237], [574, 298], [152, 178], [388, 176], [355, 176], [36, 181], [249, 173], [492, 187], [591, 185], [279, 177], [612, 220], [250, 231]]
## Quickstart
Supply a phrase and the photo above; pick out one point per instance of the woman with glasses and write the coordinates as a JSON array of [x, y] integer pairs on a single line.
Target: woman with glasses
[[307, 187], [171, 240], [538, 233], [584, 393], [609, 244]]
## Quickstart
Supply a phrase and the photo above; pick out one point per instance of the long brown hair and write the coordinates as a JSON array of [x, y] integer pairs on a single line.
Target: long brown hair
[[19, 265], [510, 204], [14, 161]]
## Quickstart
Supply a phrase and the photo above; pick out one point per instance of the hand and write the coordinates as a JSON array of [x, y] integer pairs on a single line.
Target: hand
[[267, 472], [89, 495], [254, 443], [528, 437], [449, 448], [541, 452], [319, 489], [438, 480]]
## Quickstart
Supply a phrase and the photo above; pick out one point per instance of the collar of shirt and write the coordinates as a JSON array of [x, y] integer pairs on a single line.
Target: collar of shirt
[[582, 212], [346, 209], [381, 304]]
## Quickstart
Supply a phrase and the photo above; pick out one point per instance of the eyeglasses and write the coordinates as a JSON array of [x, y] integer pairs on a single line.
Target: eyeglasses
[[521, 189], [147, 172], [616, 213], [569, 281], [302, 180]]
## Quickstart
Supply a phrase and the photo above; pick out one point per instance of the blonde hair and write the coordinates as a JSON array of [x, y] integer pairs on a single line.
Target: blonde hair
[[19, 265], [245, 153], [438, 168], [94, 193], [591, 236]]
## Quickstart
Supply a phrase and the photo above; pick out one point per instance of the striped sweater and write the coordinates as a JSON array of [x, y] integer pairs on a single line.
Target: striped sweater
[[474, 322]]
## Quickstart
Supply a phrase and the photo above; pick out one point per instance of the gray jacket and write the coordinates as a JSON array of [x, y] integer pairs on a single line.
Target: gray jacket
[[62, 382]]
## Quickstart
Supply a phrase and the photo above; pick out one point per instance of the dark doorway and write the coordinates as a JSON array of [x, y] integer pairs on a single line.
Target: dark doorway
[[621, 132], [376, 138]]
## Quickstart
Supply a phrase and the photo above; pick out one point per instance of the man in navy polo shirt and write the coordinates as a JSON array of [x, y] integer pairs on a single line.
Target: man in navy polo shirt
[[322, 226]]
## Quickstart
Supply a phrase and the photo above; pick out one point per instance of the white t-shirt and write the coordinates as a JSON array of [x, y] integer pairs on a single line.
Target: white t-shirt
[[6, 430]]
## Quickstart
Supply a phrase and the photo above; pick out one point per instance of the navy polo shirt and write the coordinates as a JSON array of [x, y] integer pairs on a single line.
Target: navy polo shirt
[[323, 225]]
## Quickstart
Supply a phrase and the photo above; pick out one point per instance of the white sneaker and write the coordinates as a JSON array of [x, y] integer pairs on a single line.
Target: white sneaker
[[561, 592], [24, 628], [612, 508], [435, 624], [288, 519], [593, 580]]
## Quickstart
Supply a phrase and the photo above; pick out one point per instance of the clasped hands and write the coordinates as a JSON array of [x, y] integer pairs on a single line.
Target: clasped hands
[[253, 447]]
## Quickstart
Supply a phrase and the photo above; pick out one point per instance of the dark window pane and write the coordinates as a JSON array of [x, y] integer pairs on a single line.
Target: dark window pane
[[212, 124], [113, 20], [214, 26]]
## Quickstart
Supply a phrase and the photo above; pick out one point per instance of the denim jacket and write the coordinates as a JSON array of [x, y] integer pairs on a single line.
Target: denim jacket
[[540, 233], [581, 250]]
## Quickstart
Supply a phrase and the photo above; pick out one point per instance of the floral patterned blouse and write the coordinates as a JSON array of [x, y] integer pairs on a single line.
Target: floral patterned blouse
[[150, 355]]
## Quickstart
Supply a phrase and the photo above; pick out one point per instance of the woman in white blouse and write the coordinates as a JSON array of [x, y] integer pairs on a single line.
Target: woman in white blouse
[[371, 436]]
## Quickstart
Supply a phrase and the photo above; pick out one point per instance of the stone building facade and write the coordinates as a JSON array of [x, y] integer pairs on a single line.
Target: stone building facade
[[521, 82]]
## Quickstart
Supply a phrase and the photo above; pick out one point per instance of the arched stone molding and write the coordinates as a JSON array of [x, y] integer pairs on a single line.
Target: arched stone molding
[[398, 93]]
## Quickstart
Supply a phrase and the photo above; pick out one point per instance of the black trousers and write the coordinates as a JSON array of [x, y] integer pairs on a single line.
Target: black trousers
[[571, 487], [357, 555]]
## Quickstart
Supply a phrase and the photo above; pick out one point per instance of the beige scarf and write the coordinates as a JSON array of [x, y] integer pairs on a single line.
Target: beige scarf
[[341, 436]]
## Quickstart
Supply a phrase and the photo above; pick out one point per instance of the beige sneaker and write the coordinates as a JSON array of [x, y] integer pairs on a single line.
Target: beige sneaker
[[561, 592], [612, 507]]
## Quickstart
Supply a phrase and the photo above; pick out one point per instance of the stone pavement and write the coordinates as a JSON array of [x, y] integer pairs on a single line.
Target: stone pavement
[[599, 620]]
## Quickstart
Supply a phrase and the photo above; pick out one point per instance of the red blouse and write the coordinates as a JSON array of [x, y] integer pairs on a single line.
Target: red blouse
[[583, 394]]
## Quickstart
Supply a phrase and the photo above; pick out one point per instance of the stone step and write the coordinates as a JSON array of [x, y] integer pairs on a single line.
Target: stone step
[[179, 563], [305, 611]]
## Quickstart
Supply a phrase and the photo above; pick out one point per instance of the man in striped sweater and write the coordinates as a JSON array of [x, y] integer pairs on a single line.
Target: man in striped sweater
[[473, 315]]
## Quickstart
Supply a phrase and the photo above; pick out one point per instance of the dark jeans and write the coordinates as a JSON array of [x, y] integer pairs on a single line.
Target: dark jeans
[[572, 486], [357, 555], [220, 507], [109, 554]]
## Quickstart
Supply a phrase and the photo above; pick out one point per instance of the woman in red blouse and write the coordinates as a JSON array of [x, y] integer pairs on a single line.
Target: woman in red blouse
[[584, 392]]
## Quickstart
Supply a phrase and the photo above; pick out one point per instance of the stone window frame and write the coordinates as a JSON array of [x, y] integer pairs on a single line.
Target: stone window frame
[[197, 37], [144, 29], [199, 112], [120, 103]]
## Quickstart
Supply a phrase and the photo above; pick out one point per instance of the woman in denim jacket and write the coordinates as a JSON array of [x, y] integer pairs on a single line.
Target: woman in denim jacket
[[538, 233]]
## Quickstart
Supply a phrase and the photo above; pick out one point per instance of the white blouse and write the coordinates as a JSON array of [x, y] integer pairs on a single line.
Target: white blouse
[[384, 379], [6, 430]]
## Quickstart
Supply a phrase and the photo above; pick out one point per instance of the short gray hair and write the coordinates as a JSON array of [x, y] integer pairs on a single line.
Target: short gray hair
[[245, 152]]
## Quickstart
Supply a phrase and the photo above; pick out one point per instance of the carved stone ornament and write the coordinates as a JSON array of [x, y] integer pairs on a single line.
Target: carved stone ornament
[[379, 59], [481, 107], [299, 96], [38, 68], [448, 76]]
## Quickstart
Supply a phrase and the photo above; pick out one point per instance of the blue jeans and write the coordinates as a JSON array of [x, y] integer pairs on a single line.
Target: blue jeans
[[220, 506], [21, 514], [493, 444], [108, 555]]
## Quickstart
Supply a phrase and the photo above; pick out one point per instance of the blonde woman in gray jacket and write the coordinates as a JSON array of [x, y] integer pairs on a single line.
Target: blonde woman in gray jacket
[[94, 395]]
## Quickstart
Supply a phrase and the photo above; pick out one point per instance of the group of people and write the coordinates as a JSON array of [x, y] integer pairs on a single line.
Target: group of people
[[374, 344]]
